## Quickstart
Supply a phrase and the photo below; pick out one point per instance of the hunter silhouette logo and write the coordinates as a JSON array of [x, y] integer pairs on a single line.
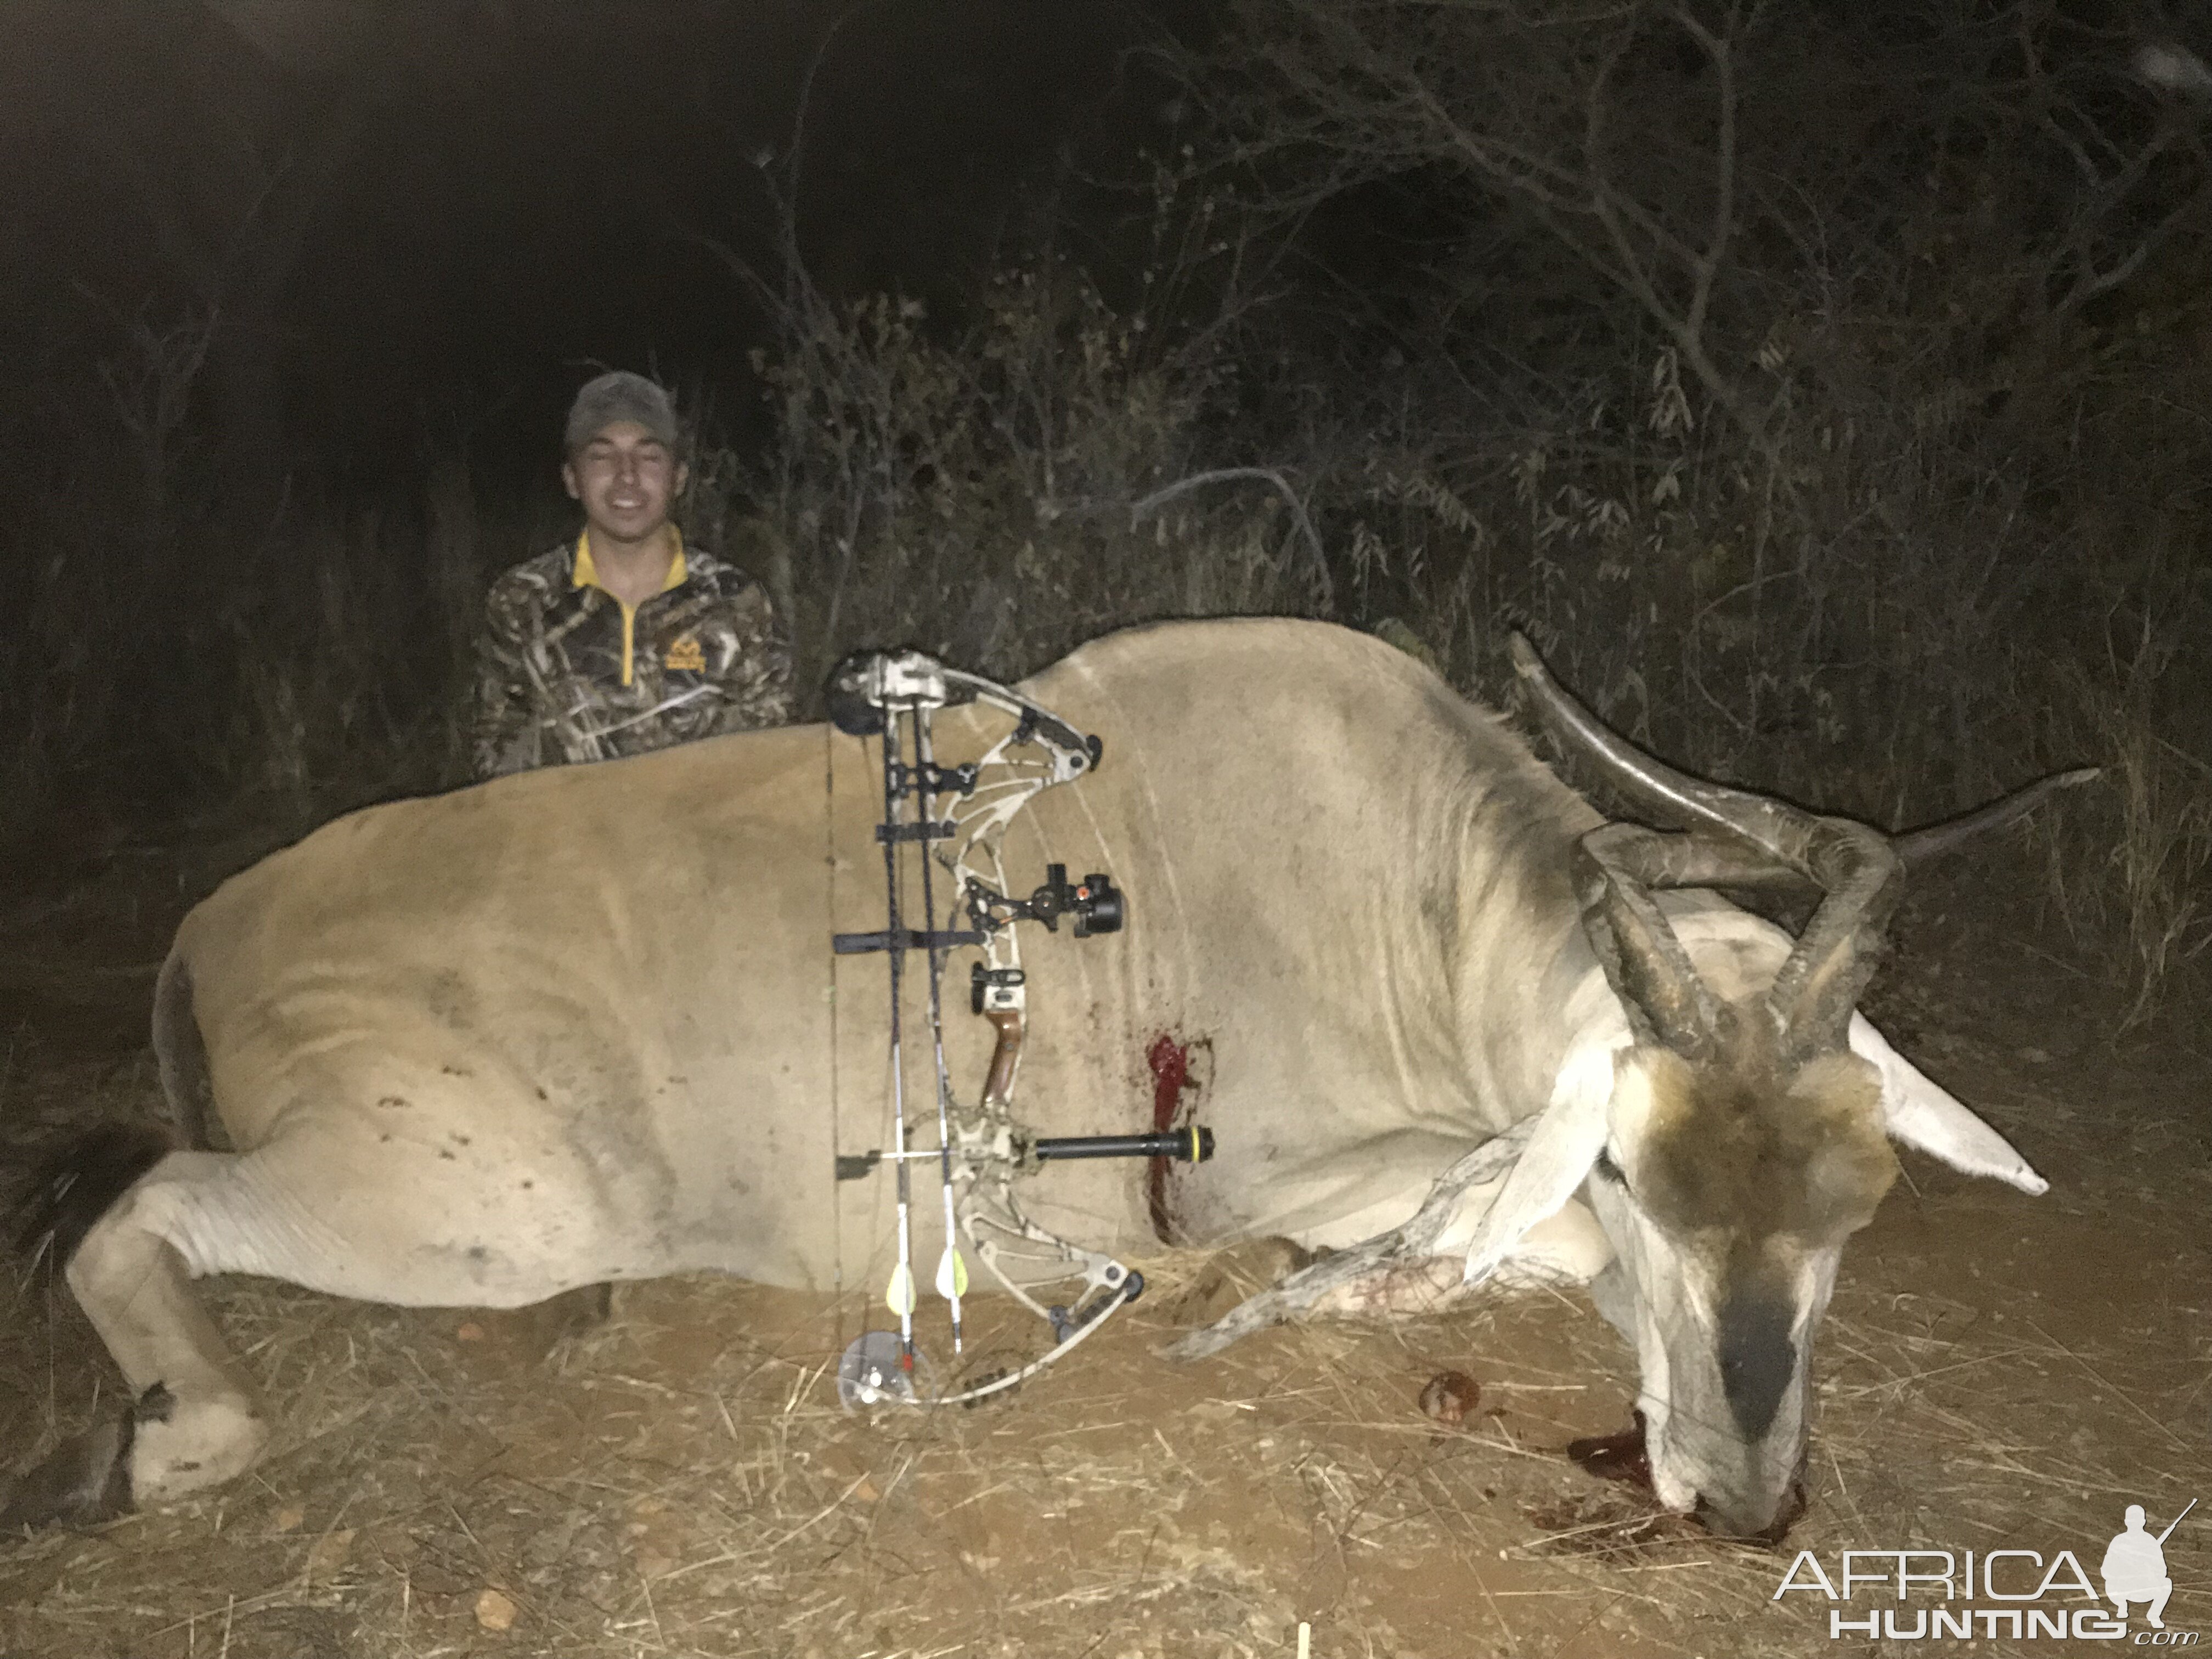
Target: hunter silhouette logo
[[2135, 1566]]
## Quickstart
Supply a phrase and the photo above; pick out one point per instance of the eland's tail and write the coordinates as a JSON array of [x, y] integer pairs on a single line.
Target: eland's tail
[[78, 1184]]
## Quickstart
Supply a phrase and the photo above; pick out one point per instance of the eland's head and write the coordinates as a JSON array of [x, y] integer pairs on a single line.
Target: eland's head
[[1741, 1132], [1727, 1189]]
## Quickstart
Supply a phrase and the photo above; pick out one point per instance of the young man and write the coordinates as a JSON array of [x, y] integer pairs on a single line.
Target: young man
[[625, 640]]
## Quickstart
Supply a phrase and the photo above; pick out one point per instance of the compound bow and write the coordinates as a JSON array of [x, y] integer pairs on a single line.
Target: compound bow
[[979, 1153]]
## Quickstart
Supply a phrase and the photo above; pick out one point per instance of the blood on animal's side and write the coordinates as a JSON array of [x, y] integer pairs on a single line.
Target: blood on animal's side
[[1169, 1060]]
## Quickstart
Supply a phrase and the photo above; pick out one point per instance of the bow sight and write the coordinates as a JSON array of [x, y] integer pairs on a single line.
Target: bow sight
[[1096, 905], [979, 1151]]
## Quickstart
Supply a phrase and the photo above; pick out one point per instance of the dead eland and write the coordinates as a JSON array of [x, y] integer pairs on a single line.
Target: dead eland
[[583, 1024]]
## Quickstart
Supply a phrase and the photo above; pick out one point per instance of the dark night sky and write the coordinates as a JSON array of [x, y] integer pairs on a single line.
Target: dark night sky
[[521, 195]]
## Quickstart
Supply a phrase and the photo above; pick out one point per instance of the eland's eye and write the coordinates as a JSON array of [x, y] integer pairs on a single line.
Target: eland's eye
[[1609, 1171]]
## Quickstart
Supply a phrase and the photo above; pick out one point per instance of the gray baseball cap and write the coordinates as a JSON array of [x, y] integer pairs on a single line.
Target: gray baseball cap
[[620, 395]]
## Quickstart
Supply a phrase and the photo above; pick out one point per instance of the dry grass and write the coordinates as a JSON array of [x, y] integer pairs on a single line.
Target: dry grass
[[681, 1481], [2151, 890]]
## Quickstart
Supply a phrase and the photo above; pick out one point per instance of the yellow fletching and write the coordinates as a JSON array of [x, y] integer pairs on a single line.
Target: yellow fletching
[[898, 1295], [951, 1275]]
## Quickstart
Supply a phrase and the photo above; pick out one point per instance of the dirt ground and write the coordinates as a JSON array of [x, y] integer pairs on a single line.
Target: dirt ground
[[1997, 1372]]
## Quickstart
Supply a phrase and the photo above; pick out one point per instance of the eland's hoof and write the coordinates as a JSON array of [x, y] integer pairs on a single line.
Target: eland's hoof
[[83, 1480]]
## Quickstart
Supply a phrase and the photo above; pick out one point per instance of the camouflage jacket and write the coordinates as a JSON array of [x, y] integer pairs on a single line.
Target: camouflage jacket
[[567, 672]]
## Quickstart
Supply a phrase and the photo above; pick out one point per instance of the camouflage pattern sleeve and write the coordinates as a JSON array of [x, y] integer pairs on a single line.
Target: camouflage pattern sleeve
[[755, 677], [503, 730]]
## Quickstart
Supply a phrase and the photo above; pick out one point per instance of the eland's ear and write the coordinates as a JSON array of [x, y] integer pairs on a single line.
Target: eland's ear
[[1568, 1135], [1920, 1114]]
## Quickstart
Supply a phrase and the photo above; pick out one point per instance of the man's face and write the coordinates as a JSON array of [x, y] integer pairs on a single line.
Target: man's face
[[626, 478]]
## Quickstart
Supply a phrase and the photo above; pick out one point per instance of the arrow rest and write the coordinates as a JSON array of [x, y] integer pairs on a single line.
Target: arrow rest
[[980, 1151]]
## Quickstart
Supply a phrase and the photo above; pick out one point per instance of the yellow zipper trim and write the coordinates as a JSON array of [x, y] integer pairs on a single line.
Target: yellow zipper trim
[[586, 573]]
